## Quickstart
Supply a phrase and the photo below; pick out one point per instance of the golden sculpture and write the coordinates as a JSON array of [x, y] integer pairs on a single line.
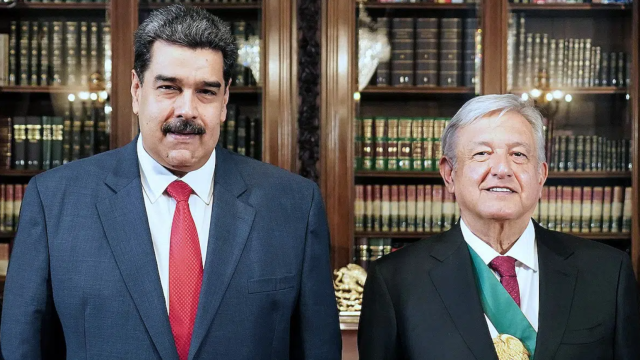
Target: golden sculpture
[[510, 348], [348, 286]]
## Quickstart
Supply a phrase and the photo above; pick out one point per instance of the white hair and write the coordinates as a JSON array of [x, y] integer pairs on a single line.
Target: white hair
[[480, 107]]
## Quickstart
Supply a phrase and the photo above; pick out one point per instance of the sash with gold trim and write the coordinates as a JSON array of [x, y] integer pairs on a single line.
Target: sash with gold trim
[[517, 338]]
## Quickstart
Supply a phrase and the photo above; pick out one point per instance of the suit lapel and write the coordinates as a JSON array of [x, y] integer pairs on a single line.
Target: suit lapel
[[455, 282], [557, 283], [231, 220], [126, 226]]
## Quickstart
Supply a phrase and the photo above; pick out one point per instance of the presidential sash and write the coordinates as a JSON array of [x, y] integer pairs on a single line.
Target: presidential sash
[[517, 339]]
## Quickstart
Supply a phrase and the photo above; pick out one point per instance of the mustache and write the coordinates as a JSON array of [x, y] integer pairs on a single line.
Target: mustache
[[183, 126]]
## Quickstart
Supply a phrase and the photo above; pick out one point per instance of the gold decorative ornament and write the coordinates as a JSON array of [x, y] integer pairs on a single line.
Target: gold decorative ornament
[[348, 287], [510, 348]]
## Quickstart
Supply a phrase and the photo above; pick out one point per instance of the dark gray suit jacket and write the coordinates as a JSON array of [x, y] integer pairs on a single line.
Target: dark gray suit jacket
[[422, 303], [83, 273]]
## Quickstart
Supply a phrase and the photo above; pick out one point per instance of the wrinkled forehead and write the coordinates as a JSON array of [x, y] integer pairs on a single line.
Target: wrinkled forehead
[[498, 127]]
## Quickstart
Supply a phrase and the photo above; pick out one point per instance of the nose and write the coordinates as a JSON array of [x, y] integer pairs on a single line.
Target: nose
[[500, 165], [185, 105]]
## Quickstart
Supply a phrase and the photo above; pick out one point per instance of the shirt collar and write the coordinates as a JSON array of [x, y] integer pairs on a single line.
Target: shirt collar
[[156, 178], [525, 249]]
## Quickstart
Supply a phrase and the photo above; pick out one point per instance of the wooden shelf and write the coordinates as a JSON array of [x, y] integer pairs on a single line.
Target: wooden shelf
[[420, 6], [589, 175], [552, 175], [417, 90], [572, 7], [54, 6], [246, 90], [43, 89], [420, 235], [20, 173], [212, 6], [7, 234], [595, 90]]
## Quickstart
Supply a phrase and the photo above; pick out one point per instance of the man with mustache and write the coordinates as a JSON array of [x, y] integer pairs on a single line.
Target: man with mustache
[[172, 247], [498, 285]]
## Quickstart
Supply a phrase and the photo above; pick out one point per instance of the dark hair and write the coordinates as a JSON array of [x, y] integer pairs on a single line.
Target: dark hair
[[190, 27]]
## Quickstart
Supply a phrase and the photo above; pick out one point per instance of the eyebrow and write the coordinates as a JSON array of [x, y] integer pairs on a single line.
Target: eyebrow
[[174, 80], [510, 145]]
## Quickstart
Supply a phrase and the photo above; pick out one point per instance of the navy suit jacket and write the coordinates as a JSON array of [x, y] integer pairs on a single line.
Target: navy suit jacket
[[83, 277]]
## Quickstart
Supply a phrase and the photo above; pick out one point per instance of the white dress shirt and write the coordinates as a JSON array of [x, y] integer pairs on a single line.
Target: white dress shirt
[[160, 206], [525, 251]]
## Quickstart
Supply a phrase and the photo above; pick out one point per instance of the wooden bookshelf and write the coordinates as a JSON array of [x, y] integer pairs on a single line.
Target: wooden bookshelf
[[7, 235], [211, 6], [419, 235], [595, 90], [19, 173], [245, 89], [418, 90], [419, 6], [552, 175], [570, 7], [52, 6], [44, 89]]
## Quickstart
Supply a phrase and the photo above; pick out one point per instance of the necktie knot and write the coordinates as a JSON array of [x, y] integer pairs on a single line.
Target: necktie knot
[[505, 266], [179, 190]]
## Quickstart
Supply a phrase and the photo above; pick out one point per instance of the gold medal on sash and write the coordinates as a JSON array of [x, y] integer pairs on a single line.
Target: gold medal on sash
[[510, 348]]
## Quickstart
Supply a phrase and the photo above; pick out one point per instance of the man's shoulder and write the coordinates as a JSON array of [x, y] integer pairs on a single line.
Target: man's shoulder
[[584, 252]]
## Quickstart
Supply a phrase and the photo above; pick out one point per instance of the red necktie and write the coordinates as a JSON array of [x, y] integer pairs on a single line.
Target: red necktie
[[505, 266], [185, 269]]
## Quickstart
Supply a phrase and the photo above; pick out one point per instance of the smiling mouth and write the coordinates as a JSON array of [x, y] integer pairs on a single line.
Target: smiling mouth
[[500, 190]]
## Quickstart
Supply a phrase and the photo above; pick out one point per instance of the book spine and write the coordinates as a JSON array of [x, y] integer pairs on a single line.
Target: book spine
[[44, 53], [18, 195], [604, 69], [83, 54], [576, 209], [586, 80], [4, 259], [380, 143], [579, 162], [411, 208], [9, 202], [240, 33], [106, 52], [242, 135], [420, 192], [24, 53], [596, 209], [395, 209], [34, 143], [57, 53], [368, 208], [358, 210], [47, 136], [613, 62], [606, 209], [621, 67], [427, 132], [402, 208], [13, 53], [537, 55], [571, 153], [232, 117], [393, 144], [529, 74], [377, 209], [404, 144], [428, 207], [448, 210], [616, 209], [362, 252], [94, 50], [560, 63], [566, 209], [3, 207], [627, 212], [552, 196], [34, 56], [436, 208], [76, 134], [71, 45], [19, 142], [544, 207], [521, 53], [585, 216], [67, 135], [580, 71], [427, 38], [402, 51], [471, 27], [6, 139], [89, 130], [450, 52], [386, 208], [368, 145], [357, 152], [597, 61], [57, 138], [417, 145], [511, 44], [588, 154]]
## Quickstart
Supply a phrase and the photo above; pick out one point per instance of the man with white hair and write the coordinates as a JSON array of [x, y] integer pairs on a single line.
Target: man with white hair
[[497, 274]]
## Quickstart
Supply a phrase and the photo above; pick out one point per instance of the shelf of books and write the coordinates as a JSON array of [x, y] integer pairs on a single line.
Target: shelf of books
[[55, 94], [243, 129]]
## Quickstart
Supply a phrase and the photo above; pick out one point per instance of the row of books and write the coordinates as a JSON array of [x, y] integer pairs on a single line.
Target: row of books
[[242, 133], [371, 249], [404, 208], [398, 143], [197, 1], [243, 30], [585, 209], [538, 59], [428, 52], [571, 1], [64, 1], [589, 153], [44, 142], [10, 202], [428, 1], [55, 53]]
